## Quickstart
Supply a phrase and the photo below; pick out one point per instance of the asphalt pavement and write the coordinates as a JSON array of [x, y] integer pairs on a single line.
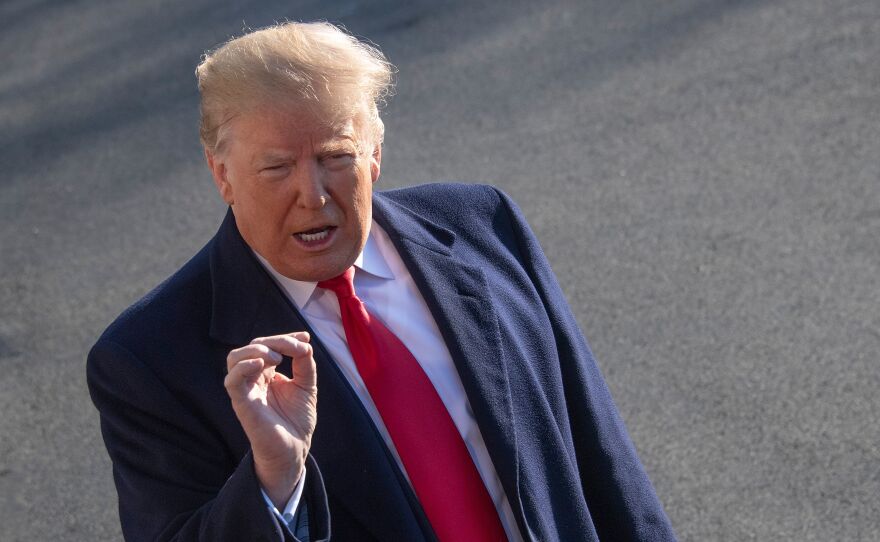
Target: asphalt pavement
[[702, 174]]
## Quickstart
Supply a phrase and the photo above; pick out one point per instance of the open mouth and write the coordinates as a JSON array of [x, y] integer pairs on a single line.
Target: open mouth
[[315, 235]]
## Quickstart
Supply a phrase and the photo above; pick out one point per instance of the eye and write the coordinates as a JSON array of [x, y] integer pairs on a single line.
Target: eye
[[274, 169], [337, 160]]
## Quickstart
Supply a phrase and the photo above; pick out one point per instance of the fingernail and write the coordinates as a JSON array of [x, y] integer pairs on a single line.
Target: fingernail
[[276, 357]]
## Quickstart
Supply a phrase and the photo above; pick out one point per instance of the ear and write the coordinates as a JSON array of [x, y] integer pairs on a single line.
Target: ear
[[218, 172], [376, 162]]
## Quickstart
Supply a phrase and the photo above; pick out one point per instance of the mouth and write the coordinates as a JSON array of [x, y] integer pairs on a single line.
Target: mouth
[[315, 238]]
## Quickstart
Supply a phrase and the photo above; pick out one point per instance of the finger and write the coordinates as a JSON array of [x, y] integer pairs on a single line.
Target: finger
[[242, 374], [301, 336], [305, 373], [288, 344], [303, 362], [252, 351]]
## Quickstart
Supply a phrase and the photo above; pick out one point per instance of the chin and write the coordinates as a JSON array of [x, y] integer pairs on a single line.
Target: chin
[[314, 273]]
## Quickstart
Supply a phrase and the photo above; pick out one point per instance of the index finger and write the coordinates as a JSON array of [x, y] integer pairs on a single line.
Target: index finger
[[300, 352], [295, 345]]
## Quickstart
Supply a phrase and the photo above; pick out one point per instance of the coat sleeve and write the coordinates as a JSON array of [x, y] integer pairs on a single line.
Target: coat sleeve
[[621, 500], [169, 468]]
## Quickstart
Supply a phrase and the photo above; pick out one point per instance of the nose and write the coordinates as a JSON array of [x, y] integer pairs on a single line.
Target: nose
[[308, 185]]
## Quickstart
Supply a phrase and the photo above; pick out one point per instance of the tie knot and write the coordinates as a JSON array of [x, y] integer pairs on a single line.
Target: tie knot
[[341, 285]]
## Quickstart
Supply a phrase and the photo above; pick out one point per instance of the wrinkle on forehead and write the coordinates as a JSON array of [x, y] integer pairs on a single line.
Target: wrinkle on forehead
[[347, 122], [291, 131]]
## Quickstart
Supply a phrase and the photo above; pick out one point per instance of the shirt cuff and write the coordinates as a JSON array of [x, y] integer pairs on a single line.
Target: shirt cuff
[[288, 515]]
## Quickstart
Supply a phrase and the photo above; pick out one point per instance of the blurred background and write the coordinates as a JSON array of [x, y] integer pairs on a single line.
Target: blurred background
[[702, 174]]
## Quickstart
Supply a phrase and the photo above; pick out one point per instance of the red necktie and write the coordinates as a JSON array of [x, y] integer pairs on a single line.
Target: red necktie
[[432, 451]]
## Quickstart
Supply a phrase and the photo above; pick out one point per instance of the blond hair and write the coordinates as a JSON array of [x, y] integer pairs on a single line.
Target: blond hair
[[317, 67]]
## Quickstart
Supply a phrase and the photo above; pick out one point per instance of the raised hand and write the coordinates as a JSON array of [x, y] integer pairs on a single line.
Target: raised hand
[[278, 414]]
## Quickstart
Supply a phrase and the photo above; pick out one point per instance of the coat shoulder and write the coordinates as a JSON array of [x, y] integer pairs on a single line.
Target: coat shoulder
[[451, 203], [177, 303], [444, 194]]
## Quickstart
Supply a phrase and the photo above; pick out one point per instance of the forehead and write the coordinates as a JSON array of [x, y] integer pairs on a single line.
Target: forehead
[[287, 129]]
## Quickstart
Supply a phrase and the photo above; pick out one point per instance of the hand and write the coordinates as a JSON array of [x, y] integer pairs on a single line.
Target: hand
[[278, 414]]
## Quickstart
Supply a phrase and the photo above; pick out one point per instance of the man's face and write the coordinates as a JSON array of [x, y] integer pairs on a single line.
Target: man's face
[[300, 189]]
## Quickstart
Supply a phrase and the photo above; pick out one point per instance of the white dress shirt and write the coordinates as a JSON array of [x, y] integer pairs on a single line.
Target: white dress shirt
[[387, 289]]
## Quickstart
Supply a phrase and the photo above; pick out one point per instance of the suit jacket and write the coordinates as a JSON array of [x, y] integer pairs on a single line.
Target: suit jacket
[[181, 461]]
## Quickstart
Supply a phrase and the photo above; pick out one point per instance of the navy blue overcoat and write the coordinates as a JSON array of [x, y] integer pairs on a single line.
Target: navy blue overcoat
[[181, 461]]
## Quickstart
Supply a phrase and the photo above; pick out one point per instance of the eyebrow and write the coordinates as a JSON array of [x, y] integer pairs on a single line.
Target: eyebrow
[[339, 141], [337, 144], [272, 156]]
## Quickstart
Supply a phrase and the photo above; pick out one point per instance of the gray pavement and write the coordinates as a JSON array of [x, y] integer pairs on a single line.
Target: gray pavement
[[702, 174]]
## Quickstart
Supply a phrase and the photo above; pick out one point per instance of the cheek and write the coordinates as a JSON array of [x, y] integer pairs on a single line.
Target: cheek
[[350, 191], [262, 198], [265, 214], [363, 203]]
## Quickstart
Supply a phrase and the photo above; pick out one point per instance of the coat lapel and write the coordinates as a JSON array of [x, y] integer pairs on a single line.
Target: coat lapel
[[457, 295], [246, 304]]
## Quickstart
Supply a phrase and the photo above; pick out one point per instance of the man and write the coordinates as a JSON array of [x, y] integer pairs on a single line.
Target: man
[[458, 399]]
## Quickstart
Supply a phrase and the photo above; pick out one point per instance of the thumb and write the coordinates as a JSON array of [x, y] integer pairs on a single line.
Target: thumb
[[304, 369]]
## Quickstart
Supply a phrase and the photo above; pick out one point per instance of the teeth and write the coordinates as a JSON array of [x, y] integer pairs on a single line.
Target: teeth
[[312, 237]]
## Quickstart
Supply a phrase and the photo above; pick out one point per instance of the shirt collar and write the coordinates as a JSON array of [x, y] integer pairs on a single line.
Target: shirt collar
[[370, 260]]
